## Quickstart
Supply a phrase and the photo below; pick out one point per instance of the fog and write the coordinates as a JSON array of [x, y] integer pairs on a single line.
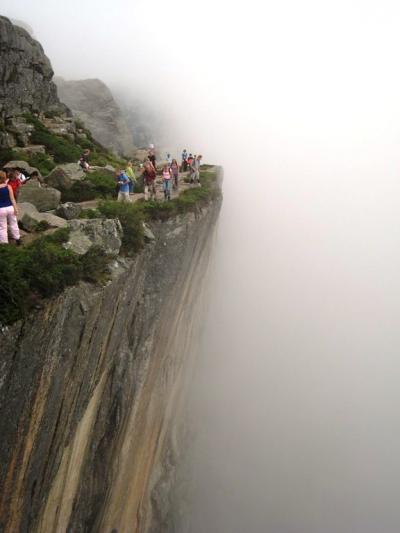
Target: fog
[[296, 395]]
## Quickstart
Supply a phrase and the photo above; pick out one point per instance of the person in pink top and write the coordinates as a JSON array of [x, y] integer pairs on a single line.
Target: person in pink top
[[166, 174], [8, 212]]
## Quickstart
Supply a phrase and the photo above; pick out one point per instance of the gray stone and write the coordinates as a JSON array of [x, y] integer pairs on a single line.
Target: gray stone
[[32, 149], [25, 74], [105, 233], [69, 210], [148, 234], [108, 170], [43, 198], [29, 217], [21, 164], [58, 179]]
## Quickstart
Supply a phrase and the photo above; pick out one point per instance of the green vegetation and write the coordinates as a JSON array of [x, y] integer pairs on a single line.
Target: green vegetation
[[95, 185], [131, 218], [41, 270]]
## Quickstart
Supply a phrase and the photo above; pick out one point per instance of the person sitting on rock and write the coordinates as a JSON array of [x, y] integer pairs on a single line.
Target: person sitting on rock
[[123, 186], [149, 178], [35, 176], [8, 212], [84, 160]]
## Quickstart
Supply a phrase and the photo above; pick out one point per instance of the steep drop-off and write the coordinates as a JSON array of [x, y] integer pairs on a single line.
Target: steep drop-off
[[90, 388]]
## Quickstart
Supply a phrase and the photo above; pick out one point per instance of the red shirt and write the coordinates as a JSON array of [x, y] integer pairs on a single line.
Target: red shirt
[[15, 185]]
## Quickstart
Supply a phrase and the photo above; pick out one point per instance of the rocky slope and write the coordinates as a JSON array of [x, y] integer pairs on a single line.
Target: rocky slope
[[92, 102], [90, 389], [25, 78]]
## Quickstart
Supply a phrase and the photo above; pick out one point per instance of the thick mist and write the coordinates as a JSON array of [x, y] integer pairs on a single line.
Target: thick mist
[[295, 402]]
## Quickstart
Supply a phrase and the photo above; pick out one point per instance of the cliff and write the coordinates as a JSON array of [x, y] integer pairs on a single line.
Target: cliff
[[90, 388], [25, 74], [92, 102]]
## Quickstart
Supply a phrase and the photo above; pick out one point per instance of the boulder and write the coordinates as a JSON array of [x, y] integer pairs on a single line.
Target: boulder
[[33, 149], [85, 233], [69, 210], [29, 217], [44, 199], [108, 170], [58, 179], [147, 233], [21, 164]]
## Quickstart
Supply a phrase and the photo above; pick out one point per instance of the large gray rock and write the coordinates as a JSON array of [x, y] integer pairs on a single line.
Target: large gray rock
[[25, 74], [29, 217], [69, 210], [63, 176], [92, 102], [105, 233], [108, 170], [43, 198], [21, 164]]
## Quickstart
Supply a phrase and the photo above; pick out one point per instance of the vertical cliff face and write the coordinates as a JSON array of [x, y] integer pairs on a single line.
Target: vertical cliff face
[[90, 388], [25, 73], [92, 102]]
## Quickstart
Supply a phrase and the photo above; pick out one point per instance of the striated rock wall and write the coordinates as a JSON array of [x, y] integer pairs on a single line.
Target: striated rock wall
[[25, 74], [92, 102], [90, 389]]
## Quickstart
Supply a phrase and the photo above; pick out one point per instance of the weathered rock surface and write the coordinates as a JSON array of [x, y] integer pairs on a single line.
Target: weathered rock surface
[[105, 233], [23, 165], [29, 217], [43, 198], [92, 102], [25, 74], [69, 210], [89, 389]]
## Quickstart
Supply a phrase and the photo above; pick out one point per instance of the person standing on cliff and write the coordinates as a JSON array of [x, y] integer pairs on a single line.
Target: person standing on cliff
[[166, 173], [184, 160], [152, 158], [132, 177], [123, 192], [149, 178], [196, 169], [175, 172], [8, 212]]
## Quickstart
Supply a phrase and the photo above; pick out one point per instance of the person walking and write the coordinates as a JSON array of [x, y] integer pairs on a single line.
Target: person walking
[[175, 173], [166, 173], [152, 158], [132, 177], [123, 192], [14, 182], [8, 212], [149, 178]]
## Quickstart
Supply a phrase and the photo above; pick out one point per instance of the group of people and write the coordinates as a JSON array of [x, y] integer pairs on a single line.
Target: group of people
[[126, 178]]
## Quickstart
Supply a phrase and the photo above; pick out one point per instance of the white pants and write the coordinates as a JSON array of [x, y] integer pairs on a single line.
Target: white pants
[[123, 197]]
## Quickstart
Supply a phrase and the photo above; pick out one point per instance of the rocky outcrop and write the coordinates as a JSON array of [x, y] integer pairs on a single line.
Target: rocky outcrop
[[30, 218], [69, 210], [89, 387], [44, 199], [25, 75], [92, 102], [104, 233]]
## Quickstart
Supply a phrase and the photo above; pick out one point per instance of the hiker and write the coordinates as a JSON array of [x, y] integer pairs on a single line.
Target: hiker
[[35, 176], [175, 173], [19, 175], [184, 160], [8, 212], [152, 157], [196, 169], [149, 178], [84, 160], [169, 160], [123, 191], [132, 177], [14, 182], [166, 174]]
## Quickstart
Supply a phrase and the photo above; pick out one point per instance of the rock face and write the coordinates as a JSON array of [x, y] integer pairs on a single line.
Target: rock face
[[44, 199], [25, 74], [92, 102], [69, 210], [105, 233], [90, 392], [29, 217]]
